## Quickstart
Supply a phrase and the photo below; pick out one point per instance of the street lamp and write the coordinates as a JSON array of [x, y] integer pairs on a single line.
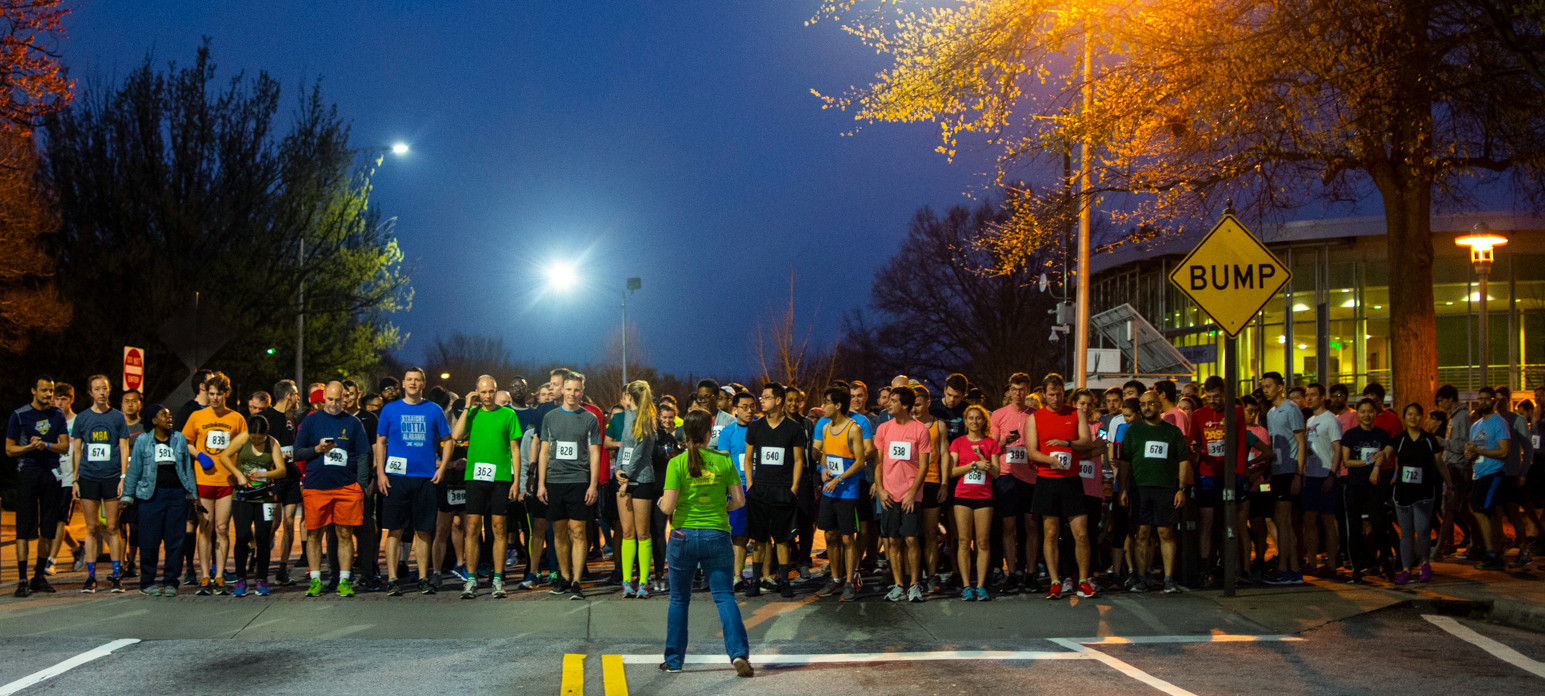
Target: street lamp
[[300, 291], [633, 284], [1482, 241], [562, 276]]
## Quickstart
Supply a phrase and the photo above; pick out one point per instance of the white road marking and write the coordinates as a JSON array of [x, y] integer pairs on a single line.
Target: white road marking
[[67, 665], [1140, 612], [1124, 668], [1497, 650], [777, 659], [1214, 638]]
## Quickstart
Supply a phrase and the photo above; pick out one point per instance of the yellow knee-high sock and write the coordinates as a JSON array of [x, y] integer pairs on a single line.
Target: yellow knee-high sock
[[645, 559], [629, 549]]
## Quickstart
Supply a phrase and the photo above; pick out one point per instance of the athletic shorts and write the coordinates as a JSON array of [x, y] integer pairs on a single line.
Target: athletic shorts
[[345, 506], [838, 515], [644, 491], [213, 492], [1210, 495], [65, 504], [1155, 506], [492, 497], [535, 508], [449, 499], [565, 501], [1486, 493], [866, 502], [409, 504], [1282, 488], [898, 524], [1312, 499], [738, 522], [37, 504], [1095, 509], [974, 503], [772, 517], [1059, 497], [931, 495], [1512, 493], [287, 491], [1013, 497], [98, 490]]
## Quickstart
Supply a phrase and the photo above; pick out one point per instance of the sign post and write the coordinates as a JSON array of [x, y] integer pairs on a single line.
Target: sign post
[[1230, 275], [133, 368]]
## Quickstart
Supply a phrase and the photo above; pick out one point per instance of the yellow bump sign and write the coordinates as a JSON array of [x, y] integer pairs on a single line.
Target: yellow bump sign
[[1230, 275]]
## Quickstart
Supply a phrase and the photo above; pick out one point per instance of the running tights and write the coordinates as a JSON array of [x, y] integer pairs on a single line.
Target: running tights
[[1415, 531]]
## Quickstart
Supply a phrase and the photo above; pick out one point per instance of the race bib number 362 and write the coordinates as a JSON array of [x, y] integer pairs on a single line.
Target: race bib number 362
[[483, 472]]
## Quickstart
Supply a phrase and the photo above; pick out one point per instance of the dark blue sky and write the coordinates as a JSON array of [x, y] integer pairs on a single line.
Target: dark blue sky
[[677, 142]]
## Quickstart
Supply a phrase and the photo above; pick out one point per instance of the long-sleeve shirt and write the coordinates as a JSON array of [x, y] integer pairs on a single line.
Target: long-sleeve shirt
[[1458, 435], [346, 463]]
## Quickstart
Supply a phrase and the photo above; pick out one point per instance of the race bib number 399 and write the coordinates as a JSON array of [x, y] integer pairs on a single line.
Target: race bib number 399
[[1016, 455], [566, 450], [1156, 450]]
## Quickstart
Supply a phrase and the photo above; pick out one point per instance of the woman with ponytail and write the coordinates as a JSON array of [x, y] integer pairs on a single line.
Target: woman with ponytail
[[698, 497], [637, 488]]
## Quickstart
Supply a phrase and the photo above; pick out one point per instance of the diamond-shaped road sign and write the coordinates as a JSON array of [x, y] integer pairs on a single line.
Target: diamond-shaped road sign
[[1230, 275]]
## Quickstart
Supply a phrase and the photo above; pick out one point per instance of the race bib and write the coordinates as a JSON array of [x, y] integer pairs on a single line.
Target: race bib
[[976, 478], [456, 496], [1086, 469], [1064, 460], [834, 465], [1368, 453], [216, 440], [625, 456], [483, 472], [716, 430], [336, 457], [268, 512], [900, 450], [1535, 440], [566, 450], [289, 452], [1215, 448], [1410, 474], [1016, 455], [397, 465], [163, 453], [98, 452], [1156, 450], [772, 456], [1265, 488]]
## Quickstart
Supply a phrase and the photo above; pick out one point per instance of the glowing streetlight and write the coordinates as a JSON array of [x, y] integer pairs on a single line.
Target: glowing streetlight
[[445, 375], [561, 275], [399, 148], [1483, 241]]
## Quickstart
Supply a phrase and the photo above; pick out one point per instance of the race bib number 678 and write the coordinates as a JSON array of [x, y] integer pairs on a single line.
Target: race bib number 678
[[1156, 450]]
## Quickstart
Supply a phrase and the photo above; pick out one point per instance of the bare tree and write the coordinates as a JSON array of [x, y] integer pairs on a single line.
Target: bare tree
[[784, 353]]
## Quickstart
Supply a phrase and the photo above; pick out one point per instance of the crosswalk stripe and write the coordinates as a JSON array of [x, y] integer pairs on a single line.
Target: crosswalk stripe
[[612, 674], [573, 675]]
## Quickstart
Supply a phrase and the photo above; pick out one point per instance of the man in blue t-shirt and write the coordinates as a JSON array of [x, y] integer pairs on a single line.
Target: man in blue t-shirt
[[36, 435], [1488, 448], [732, 439], [412, 447]]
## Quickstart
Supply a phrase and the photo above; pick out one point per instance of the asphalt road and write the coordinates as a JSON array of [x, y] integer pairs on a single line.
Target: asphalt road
[[1340, 643]]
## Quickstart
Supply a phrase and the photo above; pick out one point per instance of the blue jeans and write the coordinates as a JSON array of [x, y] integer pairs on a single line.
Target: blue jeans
[[161, 521], [709, 549]]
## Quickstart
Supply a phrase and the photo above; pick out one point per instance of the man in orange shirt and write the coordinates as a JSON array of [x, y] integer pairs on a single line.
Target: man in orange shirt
[[209, 431]]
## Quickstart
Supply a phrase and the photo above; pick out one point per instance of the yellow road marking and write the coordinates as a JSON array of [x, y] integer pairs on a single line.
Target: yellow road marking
[[612, 675], [573, 675]]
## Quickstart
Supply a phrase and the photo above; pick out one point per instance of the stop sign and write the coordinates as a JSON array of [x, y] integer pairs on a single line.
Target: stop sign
[[133, 368]]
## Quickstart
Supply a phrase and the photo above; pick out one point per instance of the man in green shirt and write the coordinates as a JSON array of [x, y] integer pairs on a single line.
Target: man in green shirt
[[1153, 458], [493, 444]]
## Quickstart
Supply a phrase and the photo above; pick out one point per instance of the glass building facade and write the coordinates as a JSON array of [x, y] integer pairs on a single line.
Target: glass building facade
[[1331, 322]]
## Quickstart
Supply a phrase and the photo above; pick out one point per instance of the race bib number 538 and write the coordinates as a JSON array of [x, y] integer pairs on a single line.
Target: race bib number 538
[[901, 450]]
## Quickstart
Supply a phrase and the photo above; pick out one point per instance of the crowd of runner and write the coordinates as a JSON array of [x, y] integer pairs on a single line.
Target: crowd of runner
[[914, 493]]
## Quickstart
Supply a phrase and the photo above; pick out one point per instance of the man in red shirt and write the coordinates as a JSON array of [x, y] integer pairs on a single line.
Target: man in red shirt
[[1014, 489], [607, 510], [1208, 427], [1053, 434]]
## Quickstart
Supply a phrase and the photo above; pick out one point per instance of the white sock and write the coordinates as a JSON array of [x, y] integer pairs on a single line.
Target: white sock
[[344, 574], [316, 575]]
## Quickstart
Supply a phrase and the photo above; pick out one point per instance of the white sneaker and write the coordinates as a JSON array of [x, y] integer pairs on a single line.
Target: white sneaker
[[896, 594], [915, 594]]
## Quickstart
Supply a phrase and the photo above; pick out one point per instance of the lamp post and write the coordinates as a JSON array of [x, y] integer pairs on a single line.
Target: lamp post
[[632, 285], [1482, 241], [398, 149]]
